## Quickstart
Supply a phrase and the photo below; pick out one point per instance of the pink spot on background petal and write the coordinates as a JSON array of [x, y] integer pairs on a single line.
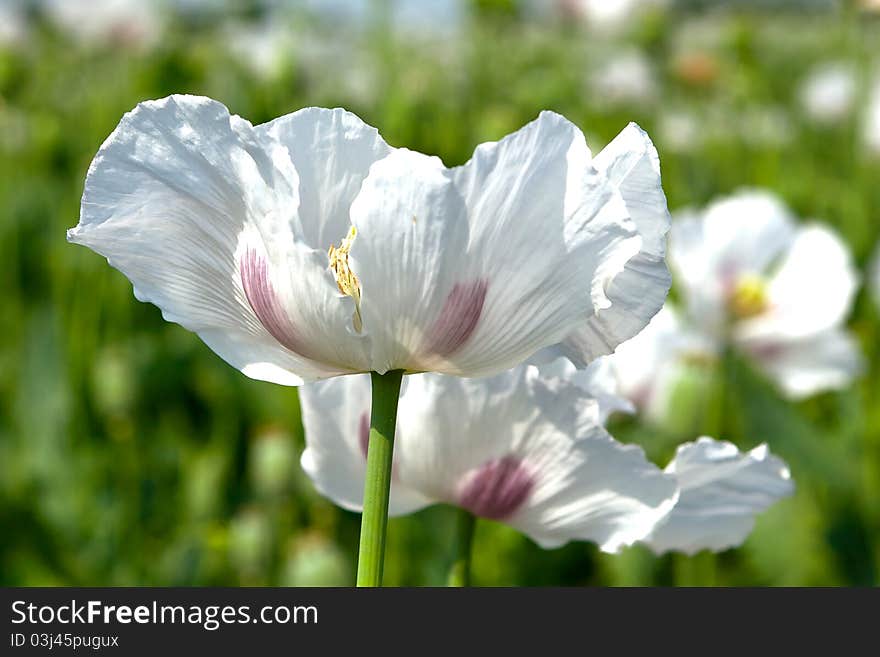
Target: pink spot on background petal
[[364, 433], [458, 318], [496, 489], [264, 302]]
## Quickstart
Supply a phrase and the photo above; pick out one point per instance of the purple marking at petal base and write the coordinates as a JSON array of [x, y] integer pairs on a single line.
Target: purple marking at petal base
[[264, 302], [496, 489], [458, 318], [364, 433]]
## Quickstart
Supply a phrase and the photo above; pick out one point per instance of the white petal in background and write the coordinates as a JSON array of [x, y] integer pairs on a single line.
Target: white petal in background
[[129, 23], [803, 367], [811, 291], [828, 93], [527, 448], [871, 121], [649, 366], [722, 490], [336, 414], [513, 448]]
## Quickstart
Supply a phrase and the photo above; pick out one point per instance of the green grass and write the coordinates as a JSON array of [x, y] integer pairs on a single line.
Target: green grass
[[132, 455]]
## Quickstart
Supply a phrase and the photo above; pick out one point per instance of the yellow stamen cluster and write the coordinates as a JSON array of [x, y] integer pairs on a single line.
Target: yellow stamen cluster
[[749, 297], [346, 281]]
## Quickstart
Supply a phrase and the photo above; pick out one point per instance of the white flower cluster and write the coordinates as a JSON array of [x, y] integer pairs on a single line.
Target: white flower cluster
[[308, 248]]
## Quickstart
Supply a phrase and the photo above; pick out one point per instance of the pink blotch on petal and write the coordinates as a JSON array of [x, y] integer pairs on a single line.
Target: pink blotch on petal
[[364, 433], [458, 318], [496, 489], [264, 302]]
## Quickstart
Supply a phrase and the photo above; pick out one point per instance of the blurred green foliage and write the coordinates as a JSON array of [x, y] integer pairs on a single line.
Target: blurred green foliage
[[132, 455]]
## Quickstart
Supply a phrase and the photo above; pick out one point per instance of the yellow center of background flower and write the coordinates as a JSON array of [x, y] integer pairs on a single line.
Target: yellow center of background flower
[[749, 297]]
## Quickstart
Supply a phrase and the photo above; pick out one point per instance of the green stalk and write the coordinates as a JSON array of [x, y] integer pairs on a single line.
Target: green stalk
[[460, 572], [377, 486]]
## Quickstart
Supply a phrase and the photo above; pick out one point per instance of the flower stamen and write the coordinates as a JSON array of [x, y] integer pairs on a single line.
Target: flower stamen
[[749, 297], [346, 281]]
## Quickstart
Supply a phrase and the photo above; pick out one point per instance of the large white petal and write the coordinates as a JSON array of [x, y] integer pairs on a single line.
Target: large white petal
[[807, 366], [812, 290], [632, 165], [548, 235], [169, 199], [418, 302], [332, 151], [722, 490], [336, 417], [737, 236], [531, 453]]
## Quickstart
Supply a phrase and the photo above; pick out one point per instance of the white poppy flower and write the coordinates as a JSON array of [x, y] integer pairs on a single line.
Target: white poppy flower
[[14, 26], [527, 448], [750, 277], [129, 23], [612, 14], [468, 271], [626, 77], [828, 92]]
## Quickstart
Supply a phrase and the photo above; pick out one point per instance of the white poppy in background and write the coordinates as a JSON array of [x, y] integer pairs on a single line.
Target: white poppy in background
[[468, 271], [14, 27], [611, 14], [872, 119], [265, 48], [127, 23], [828, 92], [750, 277], [626, 77], [527, 448]]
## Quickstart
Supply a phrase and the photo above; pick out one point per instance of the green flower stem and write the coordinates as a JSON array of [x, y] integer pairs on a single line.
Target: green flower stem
[[460, 572], [377, 486]]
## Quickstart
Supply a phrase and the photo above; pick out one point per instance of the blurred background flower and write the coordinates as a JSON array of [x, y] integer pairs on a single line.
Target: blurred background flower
[[129, 454]]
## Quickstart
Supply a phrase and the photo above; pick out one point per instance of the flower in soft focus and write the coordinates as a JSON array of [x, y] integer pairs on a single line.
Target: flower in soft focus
[[875, 274], [871, 126], [266, 48], [750, 277], [627, 77], [611, 14], [14, 27], [828, 92], [679, 129], [307, 247], [125, 23], [697, 68], [527, 448]]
